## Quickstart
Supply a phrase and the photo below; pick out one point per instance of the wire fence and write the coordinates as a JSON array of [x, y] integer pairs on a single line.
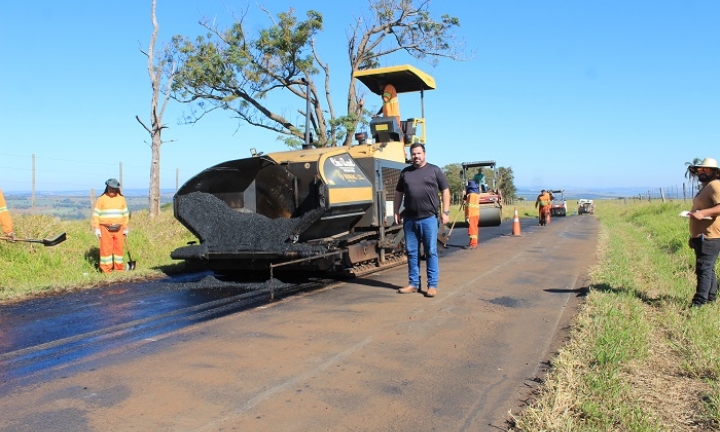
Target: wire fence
[[684, 192], [31, 173]]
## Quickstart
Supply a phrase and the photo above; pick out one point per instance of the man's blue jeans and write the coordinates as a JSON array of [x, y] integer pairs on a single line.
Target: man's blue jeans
[[706, 253], [417, 232]]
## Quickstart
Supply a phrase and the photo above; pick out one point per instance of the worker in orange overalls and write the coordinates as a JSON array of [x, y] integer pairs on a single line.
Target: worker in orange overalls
[[543, 202], [110, 222], [391, 105], [6, 220], [472, 213]]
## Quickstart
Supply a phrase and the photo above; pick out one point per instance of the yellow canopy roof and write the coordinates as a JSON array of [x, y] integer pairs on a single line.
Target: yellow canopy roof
[[404, 78]]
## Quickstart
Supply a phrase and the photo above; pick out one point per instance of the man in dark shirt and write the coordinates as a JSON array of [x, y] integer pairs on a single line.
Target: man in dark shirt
[[418, 187]]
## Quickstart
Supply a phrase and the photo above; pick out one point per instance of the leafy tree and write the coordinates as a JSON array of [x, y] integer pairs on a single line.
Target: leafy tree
[[453, 173], [233, 70], [506, 183]]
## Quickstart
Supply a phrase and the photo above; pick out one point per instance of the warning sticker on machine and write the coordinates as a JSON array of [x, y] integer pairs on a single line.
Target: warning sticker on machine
[[342, 171]]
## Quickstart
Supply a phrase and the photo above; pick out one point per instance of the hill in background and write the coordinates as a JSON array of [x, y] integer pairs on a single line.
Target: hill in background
[[74, 205], [605, 193]]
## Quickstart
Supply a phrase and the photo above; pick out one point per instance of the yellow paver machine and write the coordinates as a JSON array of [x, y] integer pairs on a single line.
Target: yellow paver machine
[[327, 209]]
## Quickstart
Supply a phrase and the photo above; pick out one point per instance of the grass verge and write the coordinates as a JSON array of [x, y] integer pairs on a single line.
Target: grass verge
[[639, 359], [31, 269]]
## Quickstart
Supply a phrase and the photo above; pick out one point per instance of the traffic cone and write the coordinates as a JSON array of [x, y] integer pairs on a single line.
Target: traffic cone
[[516, 224]]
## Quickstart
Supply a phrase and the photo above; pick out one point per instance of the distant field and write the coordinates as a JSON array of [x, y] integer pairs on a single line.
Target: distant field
[[70, 207]]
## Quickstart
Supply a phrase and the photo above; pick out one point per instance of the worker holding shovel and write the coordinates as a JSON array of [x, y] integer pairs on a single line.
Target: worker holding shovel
[[110, 223], [7, 227], [5, 219]]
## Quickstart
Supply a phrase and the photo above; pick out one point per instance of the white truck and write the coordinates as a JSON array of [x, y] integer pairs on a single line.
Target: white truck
[[585, 206], [558, 206]]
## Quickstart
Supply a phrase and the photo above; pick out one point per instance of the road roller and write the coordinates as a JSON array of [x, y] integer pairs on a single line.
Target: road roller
[[490, 196], [328, 209]]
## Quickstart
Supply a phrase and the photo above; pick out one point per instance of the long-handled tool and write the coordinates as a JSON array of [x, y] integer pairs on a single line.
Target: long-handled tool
[[130, 264], [443, 237], [46, 241], [460, 212]]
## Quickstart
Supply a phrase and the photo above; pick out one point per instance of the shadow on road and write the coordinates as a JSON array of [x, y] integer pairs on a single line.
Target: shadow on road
[[581, 292]]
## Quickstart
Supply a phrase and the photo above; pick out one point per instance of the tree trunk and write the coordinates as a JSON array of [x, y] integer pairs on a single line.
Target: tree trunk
[[155, 174], [157, 109]]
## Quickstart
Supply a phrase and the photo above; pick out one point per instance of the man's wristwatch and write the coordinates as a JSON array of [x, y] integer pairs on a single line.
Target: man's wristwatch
[[446, 212]]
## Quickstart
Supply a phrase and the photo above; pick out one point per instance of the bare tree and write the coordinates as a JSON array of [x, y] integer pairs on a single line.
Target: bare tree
[[235, 71], [161, 69]]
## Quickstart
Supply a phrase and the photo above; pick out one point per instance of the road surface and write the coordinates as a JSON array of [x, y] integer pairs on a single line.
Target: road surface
[[355, 356]]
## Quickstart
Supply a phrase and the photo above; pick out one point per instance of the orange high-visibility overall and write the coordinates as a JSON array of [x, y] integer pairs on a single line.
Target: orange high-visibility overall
[[543, 201], [111, 211], [472, 215], [5, 219]]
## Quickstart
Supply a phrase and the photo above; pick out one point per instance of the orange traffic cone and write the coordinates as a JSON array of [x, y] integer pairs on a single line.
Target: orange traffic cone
[[516, 224]]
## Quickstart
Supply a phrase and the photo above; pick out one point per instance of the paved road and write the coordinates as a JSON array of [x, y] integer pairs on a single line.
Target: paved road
[[354, 357]]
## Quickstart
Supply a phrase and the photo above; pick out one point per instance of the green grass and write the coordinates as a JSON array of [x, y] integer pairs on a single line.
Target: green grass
[[31, 269], [639, 359]]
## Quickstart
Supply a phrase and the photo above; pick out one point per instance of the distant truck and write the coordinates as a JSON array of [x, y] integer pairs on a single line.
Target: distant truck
[[558, 206], [585, 206]]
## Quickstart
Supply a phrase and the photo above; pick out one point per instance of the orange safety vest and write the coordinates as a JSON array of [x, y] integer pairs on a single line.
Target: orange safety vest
[[472, 205], [391, 105], [110, 211], [543, 200], [5, 219]]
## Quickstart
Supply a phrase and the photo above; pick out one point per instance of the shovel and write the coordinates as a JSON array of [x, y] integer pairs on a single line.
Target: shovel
[[46, 241], [130, 264], [443, 237]]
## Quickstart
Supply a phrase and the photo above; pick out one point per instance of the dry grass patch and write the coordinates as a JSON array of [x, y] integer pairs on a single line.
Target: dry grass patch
[[661, 384]]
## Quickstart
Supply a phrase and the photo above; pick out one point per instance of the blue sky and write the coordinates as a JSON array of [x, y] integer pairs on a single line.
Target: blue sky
[[571, 95]]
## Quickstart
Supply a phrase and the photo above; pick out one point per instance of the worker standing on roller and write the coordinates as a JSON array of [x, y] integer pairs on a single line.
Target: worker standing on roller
[[479, 180], [110, 223]]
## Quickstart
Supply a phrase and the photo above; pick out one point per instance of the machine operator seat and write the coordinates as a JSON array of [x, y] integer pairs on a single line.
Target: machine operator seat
[[409, 131], [385, 129]]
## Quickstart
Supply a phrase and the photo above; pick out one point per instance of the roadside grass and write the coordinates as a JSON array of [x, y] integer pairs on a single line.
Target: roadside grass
[[31, 269], [638, 359]]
